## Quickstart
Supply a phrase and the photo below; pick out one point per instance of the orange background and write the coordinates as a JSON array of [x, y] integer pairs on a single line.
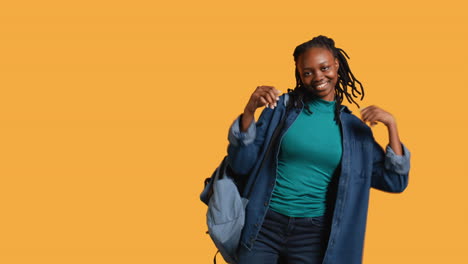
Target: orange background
[[112, 114]]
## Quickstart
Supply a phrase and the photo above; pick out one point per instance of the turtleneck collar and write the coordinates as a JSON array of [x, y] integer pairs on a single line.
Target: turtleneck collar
[[318, 104]]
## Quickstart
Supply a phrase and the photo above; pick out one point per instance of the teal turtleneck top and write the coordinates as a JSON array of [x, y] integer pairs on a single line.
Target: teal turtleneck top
[[309, 154]]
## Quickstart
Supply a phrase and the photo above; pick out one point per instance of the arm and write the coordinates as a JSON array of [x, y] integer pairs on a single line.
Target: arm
[[394, 139], [390, 169], [243, 147]]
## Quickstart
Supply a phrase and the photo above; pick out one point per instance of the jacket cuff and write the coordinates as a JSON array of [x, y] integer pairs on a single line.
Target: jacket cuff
[[398, 163], [237, 137]]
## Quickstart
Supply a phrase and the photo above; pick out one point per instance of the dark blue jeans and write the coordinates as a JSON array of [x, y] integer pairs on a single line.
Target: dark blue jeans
[[284, 239]]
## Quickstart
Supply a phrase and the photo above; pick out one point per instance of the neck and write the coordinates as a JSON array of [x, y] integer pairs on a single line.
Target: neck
[[311, 96]]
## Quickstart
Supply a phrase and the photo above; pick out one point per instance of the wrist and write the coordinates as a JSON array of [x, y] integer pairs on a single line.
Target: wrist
[[391, 123], [248, 112]]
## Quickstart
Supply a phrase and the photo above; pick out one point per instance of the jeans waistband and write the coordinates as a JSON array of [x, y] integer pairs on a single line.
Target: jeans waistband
[[271, 214]]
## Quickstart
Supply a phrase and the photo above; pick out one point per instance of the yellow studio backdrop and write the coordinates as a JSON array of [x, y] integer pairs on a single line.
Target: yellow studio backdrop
[[112, 113]]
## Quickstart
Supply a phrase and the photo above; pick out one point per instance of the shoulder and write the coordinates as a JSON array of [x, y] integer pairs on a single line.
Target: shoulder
[[352, 118], [356, 125]]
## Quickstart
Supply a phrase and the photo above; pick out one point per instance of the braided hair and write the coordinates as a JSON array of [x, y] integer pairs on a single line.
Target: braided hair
[[346, 78]]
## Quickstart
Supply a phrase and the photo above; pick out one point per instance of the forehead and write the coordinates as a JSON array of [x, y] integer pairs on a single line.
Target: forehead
[[314, 57]]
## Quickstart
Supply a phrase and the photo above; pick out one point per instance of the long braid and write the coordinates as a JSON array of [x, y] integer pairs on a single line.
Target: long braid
[[345, 81]]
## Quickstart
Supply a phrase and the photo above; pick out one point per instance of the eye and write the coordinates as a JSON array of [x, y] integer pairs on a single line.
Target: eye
[[325, 68], [307, 73]]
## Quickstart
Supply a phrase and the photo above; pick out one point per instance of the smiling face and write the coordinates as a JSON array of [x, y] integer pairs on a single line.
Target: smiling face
[[318, 69]]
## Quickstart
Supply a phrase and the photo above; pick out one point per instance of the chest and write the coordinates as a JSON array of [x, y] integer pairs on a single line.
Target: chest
[[312, 139]]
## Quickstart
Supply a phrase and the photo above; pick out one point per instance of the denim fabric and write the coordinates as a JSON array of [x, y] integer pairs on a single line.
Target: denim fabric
[[284, 239], [364, 165]]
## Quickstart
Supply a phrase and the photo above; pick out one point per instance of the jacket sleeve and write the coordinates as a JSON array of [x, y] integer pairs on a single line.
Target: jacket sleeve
[[243, 147], [390, 171]]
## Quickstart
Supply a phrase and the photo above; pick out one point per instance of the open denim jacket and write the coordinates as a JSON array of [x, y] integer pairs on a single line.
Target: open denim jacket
[[364, 164]]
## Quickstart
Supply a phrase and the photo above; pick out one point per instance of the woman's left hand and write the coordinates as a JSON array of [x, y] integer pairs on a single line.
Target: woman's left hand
[[374, 114]]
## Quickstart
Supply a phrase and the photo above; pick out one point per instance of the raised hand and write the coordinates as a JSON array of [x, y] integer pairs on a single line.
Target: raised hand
[[263, 95], [374, 114]]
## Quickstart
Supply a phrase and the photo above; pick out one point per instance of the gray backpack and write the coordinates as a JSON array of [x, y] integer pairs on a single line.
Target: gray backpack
[[226, 208], [226, 212]]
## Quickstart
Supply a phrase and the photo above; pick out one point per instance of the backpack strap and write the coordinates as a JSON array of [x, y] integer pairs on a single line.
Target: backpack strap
[[214, 259], [286, 99]]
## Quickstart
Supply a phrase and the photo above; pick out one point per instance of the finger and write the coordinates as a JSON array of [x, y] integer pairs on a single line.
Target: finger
[[266, 87], [369, 112], [367, 108], [263, 88], [269, 97], [364, 119], [373, 117], [373, 123], [273, 96], [277, 92], [364, 115], [274, 93], [260, 88], [270, 94], [264, 102], [264, 91], [367, 117], [364, 111]]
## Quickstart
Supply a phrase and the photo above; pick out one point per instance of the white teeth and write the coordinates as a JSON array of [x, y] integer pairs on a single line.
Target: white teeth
[[321, 85]]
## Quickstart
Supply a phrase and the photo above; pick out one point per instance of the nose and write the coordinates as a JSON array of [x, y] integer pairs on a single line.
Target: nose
[[317, 76]]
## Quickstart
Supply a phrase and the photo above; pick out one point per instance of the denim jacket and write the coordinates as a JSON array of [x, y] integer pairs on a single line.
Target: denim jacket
[[364, 164]]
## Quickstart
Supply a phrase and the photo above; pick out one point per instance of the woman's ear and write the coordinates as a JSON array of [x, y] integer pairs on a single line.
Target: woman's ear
[[337, 64]]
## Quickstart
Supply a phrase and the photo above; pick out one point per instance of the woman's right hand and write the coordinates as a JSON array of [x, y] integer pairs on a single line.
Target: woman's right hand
[[263, 95]]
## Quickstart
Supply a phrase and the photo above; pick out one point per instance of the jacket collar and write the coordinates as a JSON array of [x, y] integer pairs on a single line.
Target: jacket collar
[[346, 109]]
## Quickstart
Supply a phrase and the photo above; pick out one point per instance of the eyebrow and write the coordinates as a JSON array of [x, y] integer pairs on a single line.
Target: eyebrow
[[308, 68]]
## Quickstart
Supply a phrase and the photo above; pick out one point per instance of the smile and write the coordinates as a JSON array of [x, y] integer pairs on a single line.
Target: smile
[[321, 85]]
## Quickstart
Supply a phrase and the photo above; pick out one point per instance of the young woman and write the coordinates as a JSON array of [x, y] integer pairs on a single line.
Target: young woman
[[308, 201]]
